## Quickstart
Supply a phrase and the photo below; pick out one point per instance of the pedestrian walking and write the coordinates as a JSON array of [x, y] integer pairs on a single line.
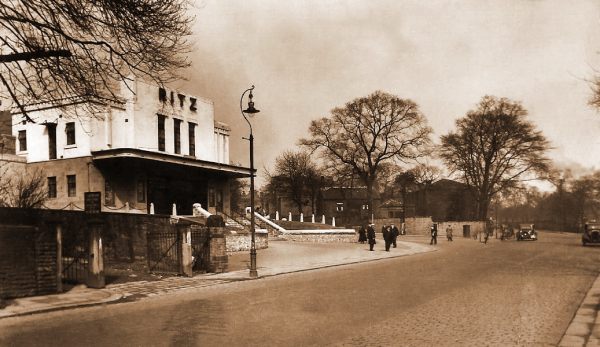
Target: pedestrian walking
[[362, 234], [388, 238], [433, 235], [395, 233], [371, 236], [449, 232], [489, 229]]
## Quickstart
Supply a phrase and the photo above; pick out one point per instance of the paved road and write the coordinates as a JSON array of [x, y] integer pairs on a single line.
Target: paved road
[[466, 294]]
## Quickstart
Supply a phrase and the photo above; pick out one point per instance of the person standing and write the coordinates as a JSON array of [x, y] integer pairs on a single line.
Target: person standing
[[362, 234], [371, 236], [433, 235], [395, 233], [387, 237], [449, 232]]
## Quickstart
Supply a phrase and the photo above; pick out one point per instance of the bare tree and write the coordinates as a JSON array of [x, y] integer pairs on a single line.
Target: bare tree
[[368, 132], [494, 147], [424, 175], [297, 173], [595, 85], [25, 190], [100, 45]]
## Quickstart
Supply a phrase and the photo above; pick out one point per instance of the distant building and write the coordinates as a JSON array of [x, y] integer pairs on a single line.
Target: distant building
[[395, 209], [349, 206], [154, 147], [444, 200]]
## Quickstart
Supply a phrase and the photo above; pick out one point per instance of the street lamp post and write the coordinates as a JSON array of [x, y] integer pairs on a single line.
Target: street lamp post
[[251, 111]]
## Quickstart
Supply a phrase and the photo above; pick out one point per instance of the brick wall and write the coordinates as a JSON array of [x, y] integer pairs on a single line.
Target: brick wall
[[28, 261], [218, 261]]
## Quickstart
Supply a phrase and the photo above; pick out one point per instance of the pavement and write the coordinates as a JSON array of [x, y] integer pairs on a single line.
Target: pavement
[[585, 326], [282, 257]]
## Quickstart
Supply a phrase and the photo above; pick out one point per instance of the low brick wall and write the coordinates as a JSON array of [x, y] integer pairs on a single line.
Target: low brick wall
[[332, 235], [241, 241], [28, 265], [422, 226]]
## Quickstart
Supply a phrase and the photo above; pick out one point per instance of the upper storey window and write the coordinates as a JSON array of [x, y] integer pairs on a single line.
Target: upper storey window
[[192, 138], [161, 133], [177, 135], [22, 140], [70, 131]]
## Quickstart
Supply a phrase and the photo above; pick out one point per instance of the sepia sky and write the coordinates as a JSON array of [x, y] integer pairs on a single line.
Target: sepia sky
[[308, 57]]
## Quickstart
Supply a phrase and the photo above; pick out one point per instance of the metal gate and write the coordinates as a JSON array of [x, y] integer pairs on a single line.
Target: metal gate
[[162, 250], [200, 248], [75, 253]]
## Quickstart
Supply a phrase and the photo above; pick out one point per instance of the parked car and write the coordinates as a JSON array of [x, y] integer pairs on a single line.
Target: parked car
[[591, 233], [526, 232]]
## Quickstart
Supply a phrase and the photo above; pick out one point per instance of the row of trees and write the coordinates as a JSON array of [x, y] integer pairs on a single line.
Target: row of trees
[[575, 201], [375, 140]]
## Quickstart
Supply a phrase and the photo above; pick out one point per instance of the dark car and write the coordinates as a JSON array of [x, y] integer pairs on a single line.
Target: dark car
[[591, 233], [526, 232]]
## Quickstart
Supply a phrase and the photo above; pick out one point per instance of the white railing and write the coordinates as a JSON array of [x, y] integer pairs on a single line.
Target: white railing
[[267, 221]]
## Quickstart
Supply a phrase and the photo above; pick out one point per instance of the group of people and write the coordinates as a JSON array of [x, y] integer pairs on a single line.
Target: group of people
[[390, 234]]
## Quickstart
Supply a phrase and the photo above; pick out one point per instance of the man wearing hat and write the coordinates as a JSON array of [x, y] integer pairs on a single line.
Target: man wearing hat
[[371, 236], [395, 233]]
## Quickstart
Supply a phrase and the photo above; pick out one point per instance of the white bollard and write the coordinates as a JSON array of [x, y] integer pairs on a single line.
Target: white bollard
[[313, 218], [332, 221], [301, 217], [151, 208], [290, 216], [276, 215], [323, 220], [174, 210]]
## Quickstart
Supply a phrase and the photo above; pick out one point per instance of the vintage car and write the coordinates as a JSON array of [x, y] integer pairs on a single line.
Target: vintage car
[[526, 232], [591, 233]]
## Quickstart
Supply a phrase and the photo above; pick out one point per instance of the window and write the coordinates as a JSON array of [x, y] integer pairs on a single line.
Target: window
[[177, 135], [51, 187], [192, 137], [161, 133], [109, 193], [22, 140], [339, 206], [51, 142], [71, 185], [365, 207], [70, 130]]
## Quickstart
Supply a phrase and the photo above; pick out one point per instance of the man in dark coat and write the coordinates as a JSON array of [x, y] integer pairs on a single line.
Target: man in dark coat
[[433, 235], [388, 237], [371, 236], [362, 235], [395, 233]]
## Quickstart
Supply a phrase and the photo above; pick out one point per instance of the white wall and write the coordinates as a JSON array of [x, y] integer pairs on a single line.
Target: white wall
[[132, 125]]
